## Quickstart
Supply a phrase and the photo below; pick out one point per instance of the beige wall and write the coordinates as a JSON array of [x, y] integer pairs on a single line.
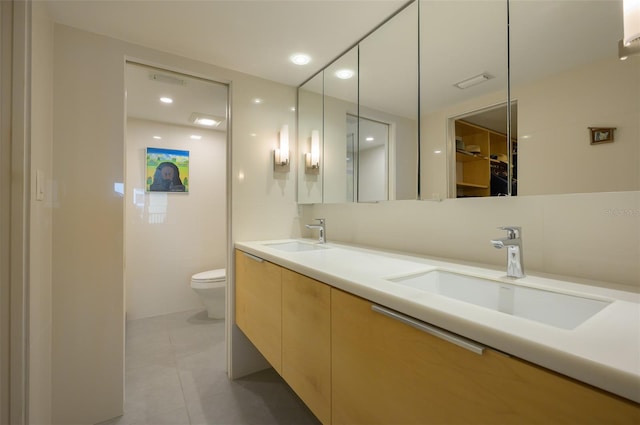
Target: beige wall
[[591, 235], [40, 314], [171, 236], [554, 153], [88, 221]]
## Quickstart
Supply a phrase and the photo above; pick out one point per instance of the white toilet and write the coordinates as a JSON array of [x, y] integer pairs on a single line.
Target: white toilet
[[210, 285]]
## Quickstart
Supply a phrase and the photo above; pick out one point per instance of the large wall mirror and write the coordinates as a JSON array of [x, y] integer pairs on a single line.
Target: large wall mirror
[[369, 117], [566, 81], [543, 105], [463, 65], [310, 134], [567, 77]]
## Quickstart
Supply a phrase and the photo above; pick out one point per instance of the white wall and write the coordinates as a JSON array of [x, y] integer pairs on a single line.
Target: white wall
[[40, 291], [372, 174], [171, 236], [88, 222], [590, 235]]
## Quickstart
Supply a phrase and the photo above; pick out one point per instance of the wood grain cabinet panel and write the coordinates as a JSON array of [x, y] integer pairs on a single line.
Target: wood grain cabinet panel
[[259, 305], [306, 341], [386, 372]]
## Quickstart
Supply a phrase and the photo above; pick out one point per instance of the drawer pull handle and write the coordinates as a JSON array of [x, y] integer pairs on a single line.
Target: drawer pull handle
[[253, 257], [432, 330]]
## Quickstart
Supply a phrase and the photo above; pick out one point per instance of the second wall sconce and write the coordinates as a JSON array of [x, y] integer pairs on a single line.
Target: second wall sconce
[[312, 159], [281, 154]]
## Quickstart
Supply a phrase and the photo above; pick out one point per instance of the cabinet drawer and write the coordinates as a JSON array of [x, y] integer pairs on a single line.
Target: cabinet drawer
[[384, 371]]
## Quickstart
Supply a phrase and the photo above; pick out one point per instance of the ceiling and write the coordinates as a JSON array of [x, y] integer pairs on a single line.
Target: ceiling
[[256, 37]]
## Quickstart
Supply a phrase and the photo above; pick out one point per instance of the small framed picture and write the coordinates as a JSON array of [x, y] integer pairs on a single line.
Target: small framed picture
[[601, 134]]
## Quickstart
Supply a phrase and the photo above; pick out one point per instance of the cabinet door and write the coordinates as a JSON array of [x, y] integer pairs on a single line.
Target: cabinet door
[[306, 341], [259, 305], [384, 371]]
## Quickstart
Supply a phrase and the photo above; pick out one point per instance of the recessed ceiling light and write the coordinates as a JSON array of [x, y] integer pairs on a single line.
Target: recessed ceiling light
[[257, 100], [157, 137], [481, 78], [300, 58], [437, 151], [344, 74], [205, 119], [369, 139], [196, 137], [166, 100]]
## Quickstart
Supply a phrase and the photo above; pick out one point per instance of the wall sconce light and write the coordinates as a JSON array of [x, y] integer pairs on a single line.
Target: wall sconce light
[[281, 154], [630, 43], [631, 14], [312, 159], [624, 51]]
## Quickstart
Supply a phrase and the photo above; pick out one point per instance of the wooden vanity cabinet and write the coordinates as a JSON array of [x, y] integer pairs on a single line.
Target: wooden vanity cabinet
[[259, 305], [387, 372], [306, 341], [287, 317]]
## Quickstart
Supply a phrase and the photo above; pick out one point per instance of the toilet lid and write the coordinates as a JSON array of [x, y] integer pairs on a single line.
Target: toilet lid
[[210, 276]]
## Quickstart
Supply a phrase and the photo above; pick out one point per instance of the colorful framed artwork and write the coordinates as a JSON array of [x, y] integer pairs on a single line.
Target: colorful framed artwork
[[167, 170]]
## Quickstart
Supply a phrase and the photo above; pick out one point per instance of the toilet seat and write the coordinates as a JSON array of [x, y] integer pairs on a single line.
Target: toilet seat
[[209, 279], [210, 276]]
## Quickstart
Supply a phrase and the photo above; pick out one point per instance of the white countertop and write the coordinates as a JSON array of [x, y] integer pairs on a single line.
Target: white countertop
[[603, 351]]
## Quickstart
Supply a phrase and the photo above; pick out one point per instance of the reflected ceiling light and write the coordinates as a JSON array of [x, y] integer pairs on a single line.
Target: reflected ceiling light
[[477, 79], [205, 119], [300, 58], [165, 99], [344, 74], [195, 137], [157, 137], [369, 139], [631, 14], [437, 151], [257, 100]]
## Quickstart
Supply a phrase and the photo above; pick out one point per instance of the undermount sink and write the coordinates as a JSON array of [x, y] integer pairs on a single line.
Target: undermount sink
[[552, 308], [296, 246]]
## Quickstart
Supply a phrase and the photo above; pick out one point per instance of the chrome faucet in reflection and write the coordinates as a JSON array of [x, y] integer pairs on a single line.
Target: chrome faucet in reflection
[[513, 242], [321, 229]]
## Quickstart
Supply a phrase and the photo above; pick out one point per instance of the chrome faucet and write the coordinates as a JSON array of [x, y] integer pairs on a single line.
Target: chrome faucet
[[321, 229], [513, 242]]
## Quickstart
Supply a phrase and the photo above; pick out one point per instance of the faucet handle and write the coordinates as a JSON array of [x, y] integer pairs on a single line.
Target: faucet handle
[[513, 232], [320, 220]]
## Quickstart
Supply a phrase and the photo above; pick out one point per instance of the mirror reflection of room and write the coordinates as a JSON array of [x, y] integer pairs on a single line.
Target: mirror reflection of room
[[485, 163]]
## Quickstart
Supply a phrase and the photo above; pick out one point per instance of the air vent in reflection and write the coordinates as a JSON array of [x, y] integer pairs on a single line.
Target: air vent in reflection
[[164, 78]]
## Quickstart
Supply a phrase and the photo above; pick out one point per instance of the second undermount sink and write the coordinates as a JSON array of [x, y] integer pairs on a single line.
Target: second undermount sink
[[296, 246], [552, 308]]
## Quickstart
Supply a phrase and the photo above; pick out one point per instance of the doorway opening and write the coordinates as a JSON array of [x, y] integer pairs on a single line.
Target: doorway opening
[[175, 182], [486, 154]]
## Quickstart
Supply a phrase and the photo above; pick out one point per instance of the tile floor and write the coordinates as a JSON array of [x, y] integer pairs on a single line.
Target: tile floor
[[176, 374]]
